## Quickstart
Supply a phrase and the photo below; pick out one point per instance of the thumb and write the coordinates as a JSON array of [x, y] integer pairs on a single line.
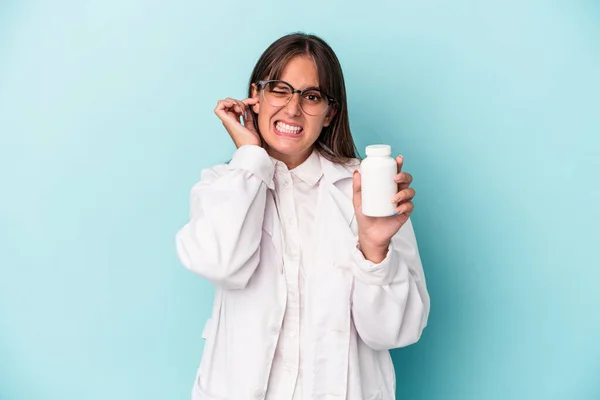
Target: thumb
[[356, 189]]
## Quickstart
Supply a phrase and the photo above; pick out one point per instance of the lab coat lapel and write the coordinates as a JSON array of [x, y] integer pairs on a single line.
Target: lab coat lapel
[[336, 222], [272, 226], [337, 198], [331, 284]]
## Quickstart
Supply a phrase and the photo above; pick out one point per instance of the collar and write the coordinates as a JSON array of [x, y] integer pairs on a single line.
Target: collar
[[316, 165], [310, 171], [336, 172]]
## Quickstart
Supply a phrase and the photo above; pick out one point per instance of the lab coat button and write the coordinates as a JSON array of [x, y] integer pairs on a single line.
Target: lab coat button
[[259, 394]]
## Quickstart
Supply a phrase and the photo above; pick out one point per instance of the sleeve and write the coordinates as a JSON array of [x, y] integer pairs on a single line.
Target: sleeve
[[221, 242], [390, 302]]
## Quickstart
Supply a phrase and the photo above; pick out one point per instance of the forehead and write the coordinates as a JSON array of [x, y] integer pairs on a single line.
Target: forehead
[[300, 72]]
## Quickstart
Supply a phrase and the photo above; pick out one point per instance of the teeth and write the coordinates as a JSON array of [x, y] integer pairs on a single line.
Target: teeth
[[281, 127]]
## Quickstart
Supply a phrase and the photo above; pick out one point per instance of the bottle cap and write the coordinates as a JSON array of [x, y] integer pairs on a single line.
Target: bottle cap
[[378, 150]]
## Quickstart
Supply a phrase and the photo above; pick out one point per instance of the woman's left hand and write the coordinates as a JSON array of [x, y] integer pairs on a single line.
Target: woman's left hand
[[375, 233]]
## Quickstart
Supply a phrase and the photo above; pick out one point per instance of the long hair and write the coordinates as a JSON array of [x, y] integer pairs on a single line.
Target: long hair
[[335, 141]]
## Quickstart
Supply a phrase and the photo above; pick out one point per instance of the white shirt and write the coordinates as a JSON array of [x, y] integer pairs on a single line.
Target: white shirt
[[296, 195]]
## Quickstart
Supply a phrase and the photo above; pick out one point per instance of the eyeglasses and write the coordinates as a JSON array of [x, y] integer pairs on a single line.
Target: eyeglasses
[[279, 93]]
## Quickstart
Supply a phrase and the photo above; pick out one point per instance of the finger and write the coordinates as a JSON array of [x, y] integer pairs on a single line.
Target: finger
[[240, 104], [356, 189], [400, 162], [225, 108], [228, 105], [220, 108], [250, 101], [242, 107], [405, 209], [231, 103], [239, 108], [403, 178], [235, 106], [404, 195], [248, 117]]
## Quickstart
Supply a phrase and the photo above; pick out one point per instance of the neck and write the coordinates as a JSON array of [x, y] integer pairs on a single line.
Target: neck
[[290, 160]]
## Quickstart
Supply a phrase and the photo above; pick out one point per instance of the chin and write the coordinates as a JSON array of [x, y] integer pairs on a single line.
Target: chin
[[287, 149]]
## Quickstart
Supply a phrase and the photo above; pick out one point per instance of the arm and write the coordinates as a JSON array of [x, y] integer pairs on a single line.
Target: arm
[[390, 302], [222, 239]]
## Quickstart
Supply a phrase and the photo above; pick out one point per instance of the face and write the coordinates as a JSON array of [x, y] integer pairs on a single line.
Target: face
[[288, 131]]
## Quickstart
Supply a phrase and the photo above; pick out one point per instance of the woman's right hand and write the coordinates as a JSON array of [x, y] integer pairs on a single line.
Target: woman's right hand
[[230, 111]]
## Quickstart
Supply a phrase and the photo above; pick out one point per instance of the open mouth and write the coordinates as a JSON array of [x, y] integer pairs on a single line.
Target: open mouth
[[287, 130]]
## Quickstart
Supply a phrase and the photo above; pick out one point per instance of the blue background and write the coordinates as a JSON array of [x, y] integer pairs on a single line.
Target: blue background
[[106, 119]]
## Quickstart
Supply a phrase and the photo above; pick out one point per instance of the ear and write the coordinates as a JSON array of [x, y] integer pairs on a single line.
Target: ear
[[255, 107], [330, 114]]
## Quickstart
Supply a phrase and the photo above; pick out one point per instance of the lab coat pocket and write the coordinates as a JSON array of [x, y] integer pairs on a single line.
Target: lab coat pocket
[[208, 335], [209, 384]]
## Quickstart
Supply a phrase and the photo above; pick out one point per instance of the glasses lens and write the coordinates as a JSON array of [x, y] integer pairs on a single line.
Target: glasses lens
[[313, 102], [278, 94]]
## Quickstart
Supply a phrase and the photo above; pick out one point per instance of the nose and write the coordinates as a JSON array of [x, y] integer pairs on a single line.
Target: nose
[[292, 108]]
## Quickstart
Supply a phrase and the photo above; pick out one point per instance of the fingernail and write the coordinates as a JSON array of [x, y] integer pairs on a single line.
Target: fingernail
[[394, 213]]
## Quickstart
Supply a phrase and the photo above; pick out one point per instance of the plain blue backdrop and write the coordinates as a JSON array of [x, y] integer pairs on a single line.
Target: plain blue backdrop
[[106, 120]]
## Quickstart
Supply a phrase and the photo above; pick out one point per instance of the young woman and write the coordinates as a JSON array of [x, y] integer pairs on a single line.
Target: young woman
[[310, 293]]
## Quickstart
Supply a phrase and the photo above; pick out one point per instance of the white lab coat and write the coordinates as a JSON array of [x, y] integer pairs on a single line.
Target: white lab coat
[[357, 310]]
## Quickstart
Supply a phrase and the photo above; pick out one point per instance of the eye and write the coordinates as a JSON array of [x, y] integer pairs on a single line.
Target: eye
[[313, 96], [279, 89]]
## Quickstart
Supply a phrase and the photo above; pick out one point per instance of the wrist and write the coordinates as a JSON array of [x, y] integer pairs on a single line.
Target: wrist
[[246, 142], [374, 252]]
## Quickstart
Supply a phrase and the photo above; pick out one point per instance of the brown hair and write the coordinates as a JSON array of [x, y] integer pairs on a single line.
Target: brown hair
[[335, 141]]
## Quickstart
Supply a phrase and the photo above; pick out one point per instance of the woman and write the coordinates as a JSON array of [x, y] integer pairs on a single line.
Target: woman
[[310, 293]]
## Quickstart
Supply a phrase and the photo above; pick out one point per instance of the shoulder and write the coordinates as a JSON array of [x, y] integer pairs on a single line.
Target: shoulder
[[338, 167], [345, 170], [245, 157], [352, 164]]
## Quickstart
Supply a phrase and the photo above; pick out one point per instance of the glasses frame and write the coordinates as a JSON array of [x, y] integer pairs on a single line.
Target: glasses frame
[[330, 100]]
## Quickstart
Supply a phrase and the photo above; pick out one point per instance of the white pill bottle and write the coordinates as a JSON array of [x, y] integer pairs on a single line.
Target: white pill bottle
[[377, 172]]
